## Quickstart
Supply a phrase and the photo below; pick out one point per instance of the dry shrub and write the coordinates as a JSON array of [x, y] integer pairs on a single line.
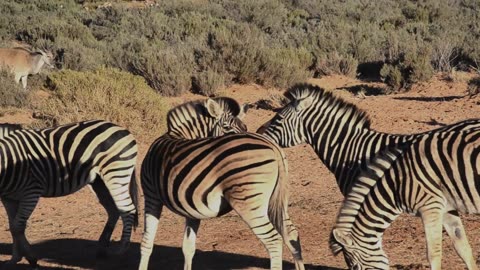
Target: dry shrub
[[284, 67], [168, 71], [474, 86], [392, 76], [334, 63], [11, 93], [107, 94], [209, 82]]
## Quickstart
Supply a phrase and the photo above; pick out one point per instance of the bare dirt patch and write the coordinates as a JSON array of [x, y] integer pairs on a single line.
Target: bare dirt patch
[[64, 230]]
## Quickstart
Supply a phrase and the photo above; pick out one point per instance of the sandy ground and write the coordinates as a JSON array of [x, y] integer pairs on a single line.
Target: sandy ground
[[64, 230]]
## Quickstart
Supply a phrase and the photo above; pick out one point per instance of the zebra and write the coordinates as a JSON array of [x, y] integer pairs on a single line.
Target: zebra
[[341, 136], [58, 161], [434, 175], [200, 176]]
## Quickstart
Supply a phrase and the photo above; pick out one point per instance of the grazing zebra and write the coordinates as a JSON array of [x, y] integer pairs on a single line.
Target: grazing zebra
[[58, 161], [200, 176], [434, 175], [341, 136]]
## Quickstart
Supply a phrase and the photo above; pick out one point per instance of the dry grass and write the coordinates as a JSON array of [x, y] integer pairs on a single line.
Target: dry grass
[[11, 93], [107, 94]]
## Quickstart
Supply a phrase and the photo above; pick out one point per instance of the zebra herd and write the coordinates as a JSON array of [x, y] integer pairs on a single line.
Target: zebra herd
[[207, 164]]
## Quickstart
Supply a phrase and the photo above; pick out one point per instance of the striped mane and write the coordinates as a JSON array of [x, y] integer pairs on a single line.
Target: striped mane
[[190, 113], [300, 91]]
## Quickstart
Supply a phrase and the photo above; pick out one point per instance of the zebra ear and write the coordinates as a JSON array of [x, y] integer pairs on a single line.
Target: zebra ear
[[214, 109], [342, 237], [243, 111], [303, 103]]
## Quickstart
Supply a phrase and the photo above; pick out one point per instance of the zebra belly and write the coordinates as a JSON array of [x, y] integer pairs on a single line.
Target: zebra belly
[[67, 186], [214, 208]]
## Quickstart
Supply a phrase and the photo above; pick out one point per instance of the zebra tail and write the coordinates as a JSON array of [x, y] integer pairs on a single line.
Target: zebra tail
[[134, 196], [278, 203]]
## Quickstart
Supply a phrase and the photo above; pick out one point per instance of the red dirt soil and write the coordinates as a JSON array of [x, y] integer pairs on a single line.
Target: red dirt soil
[[64, 230]]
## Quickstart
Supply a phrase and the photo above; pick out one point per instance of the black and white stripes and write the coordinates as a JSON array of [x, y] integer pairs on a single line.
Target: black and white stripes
[[200, 176], [341, 136], [433, 177], [58, 161]]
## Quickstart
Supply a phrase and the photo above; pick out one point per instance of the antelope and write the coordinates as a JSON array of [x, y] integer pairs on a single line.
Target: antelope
[[22, 62]]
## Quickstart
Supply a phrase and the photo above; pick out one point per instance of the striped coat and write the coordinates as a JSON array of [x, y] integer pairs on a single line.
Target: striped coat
[[61, 160], [431, 177], [208, 176]]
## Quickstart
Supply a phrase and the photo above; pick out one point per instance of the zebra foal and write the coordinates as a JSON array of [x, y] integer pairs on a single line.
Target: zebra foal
[[198, 175], [433, 176], [59, 161]]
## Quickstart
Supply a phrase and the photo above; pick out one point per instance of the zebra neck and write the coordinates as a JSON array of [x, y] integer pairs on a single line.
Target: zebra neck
[[191, 129], [345, 147], [369, 208]]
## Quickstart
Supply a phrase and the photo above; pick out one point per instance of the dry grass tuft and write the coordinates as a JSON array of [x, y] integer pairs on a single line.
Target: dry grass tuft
[[107, 94]]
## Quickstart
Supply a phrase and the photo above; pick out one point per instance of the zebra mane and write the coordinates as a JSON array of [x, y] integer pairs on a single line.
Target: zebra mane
[[10, 126], [193, 110], [363, 185], [303, 90], [7, 128]]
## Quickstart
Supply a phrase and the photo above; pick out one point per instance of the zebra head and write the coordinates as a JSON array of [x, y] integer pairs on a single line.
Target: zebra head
[[358, 256], [228, 115], [206, 118], [287, 128]]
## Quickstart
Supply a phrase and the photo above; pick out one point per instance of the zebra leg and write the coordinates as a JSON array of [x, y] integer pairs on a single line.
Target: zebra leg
[[261, 226], [107, 202], [292, 240], [432, 222], [153, 210], [119, 189], [189, 237], [454, 227], [11, 207], [25, 208]]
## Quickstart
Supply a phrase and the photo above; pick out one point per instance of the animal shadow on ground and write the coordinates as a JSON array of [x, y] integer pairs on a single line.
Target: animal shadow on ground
[[74, 253], [366, 90], [430, 99]]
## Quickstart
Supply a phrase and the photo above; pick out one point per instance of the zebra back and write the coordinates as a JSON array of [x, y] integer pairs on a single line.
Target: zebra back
[[338, 131], [7, 128], [206, 118], [65, 158]]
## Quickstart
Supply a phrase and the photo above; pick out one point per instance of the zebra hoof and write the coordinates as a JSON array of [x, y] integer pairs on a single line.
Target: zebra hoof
[[33, 263], [12, 261]]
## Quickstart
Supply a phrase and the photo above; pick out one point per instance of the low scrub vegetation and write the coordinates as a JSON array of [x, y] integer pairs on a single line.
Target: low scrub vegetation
[[474, 86], [11, 93], [180, 45], [107, 94]]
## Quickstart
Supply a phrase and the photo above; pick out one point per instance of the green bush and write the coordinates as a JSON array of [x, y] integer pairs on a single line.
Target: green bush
[[285, 67], [251, 41], [418, 66], [392, 76], [11, 93], [107, 94], [168, 71]]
